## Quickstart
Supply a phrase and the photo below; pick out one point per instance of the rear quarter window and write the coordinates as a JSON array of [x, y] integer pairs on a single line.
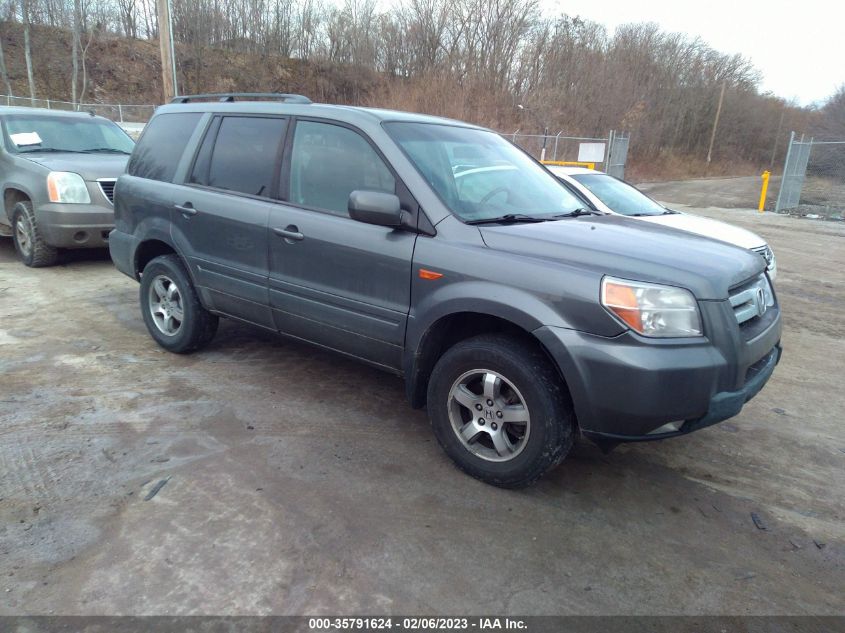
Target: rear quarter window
[[161, 146]]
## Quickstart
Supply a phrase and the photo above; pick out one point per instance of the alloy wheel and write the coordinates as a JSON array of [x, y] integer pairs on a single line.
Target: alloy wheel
[[489, 415], [23, 237], [166, 308]]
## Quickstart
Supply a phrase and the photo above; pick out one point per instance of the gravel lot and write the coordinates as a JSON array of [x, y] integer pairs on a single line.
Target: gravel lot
[[300, 482]]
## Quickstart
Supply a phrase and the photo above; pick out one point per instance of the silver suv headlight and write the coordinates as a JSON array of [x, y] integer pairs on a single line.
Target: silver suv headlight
[[652, 309], [68, 187]]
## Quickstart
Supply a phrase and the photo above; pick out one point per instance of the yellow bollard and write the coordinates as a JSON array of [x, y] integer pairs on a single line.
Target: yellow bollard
[[761, 207]]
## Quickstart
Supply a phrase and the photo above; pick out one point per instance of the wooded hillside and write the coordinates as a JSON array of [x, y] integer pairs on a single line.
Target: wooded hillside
[[500, 63]]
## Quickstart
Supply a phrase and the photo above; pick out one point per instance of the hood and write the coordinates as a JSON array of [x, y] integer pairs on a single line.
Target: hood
[[708, 228], [630, 249], [89, 166]]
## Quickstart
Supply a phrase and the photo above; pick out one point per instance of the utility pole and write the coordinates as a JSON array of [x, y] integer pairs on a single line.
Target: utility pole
[[716, 123], [777, 134], [168, 59]]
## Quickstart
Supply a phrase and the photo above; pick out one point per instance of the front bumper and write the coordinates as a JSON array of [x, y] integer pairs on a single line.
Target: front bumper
[[628, 389], [75, 225], [722, 406]]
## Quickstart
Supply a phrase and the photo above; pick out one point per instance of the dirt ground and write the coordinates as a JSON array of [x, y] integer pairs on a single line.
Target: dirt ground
[[729, 193], [301, 482], [822, 197]]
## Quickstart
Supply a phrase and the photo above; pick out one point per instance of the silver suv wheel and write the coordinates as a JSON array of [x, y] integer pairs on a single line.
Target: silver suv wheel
[[489, 415], [23, 231], [166, 308]]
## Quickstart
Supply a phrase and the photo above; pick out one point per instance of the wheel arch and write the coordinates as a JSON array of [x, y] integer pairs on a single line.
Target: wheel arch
[[450, 329], [11, 196], [148, 249]]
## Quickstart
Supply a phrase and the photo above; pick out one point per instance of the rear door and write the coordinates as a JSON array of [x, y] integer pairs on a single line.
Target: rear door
[[223, 215], [335, 281]]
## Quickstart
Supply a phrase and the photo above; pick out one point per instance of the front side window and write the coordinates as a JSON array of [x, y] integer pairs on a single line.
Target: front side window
[[479, 175], [31, 134], [328, 162], [240, 154], [160, 148], [619, 196]]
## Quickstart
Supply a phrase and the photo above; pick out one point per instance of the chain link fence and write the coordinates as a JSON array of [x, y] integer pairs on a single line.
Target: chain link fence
[[813, 182], [606, 153], [121, 113]]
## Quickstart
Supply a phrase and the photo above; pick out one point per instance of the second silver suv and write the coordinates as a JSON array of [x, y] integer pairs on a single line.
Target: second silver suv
[[58, 170]]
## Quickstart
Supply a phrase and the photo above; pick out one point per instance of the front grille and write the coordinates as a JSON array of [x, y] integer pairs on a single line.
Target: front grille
[[766, 253], [752, 300], [107, 187]]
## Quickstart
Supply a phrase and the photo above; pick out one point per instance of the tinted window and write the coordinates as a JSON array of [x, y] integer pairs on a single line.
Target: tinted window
[[329, 162], [244, 156], [158, 152]]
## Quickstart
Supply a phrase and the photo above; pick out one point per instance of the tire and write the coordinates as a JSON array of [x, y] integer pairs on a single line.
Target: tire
[[172, 312], [30, 246], [496, 448]]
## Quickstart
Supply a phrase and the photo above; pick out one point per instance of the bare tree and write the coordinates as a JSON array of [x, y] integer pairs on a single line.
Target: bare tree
[[75, 35], [3, 72], [25, 7]]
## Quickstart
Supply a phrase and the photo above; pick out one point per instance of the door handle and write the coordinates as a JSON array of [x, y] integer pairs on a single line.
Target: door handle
[[187, 209], [290, 233]]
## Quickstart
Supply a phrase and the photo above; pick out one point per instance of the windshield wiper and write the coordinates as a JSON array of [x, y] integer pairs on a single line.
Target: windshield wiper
[[111, 150], [50, 149], [578, 212], [509, 218]]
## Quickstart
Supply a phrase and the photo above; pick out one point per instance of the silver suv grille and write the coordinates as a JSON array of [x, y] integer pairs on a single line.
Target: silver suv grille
[[766, 253], [752, 300], [107, 187]]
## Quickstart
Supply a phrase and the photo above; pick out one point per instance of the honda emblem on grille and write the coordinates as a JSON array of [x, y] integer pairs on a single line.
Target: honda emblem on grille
[[760, 300]]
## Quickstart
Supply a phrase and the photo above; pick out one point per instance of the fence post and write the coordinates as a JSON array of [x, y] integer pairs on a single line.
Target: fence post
[[761, 207], [120, 112], [557, 138], [545, 138], [48, 104], [785, 177]]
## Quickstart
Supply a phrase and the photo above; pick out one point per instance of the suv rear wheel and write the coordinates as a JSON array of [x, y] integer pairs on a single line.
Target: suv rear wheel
[[30, 246], [172, 312], [499, 410]]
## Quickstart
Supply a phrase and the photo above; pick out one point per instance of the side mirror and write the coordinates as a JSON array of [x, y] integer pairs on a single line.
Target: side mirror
[[375, 207]]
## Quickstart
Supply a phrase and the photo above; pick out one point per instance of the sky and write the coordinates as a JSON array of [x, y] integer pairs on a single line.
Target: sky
[[798, 46]]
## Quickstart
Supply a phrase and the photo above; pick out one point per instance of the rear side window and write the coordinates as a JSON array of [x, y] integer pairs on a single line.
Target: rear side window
[[240, 154], [158, 152], [328, 162]]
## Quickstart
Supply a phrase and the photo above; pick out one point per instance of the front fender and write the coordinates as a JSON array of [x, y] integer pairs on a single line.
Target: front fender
[[519, 307]]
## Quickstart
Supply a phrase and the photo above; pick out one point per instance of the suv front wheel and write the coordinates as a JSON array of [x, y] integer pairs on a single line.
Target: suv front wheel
[[172, 312], [31, 247], [499, 410]]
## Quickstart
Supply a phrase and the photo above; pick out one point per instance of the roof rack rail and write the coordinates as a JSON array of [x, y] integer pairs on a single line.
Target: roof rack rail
[[225, 97]]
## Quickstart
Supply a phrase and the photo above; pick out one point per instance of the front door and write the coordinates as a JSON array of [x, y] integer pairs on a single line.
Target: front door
[[224, 215], [335, 281]]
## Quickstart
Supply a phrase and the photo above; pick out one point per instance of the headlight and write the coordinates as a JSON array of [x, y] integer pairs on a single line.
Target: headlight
[[652, 309], [65, 186]]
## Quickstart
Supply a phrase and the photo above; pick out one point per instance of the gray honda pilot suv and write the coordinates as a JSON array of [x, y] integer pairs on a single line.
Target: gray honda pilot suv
[[440, 252], [57, 172]]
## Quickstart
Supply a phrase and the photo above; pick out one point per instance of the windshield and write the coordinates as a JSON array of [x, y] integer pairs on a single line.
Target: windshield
[[479, 175], [619, 196], [44, 133]]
